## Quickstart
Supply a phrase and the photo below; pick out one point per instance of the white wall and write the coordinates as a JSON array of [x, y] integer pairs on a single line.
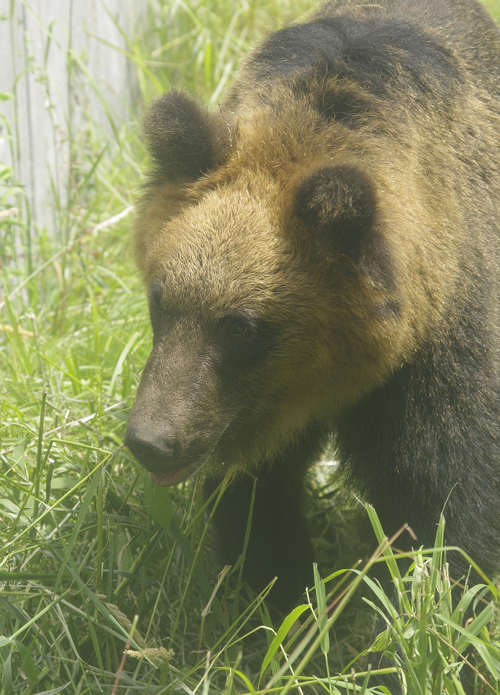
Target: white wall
[[53, 104]]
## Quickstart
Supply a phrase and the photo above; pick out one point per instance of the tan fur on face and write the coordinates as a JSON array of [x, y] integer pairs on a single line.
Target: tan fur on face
[[233, 251]]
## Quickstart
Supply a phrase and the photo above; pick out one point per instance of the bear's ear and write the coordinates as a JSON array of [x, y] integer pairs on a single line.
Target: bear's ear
[[184, 140], [338, 205]]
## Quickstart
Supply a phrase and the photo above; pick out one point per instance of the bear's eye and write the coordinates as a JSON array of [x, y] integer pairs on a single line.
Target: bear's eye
[[157, 309], [239, 327], [155, 295], [233, 327], [241, 341]]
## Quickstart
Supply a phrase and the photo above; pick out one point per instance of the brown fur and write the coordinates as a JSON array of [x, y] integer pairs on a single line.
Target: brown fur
[[345, 219]]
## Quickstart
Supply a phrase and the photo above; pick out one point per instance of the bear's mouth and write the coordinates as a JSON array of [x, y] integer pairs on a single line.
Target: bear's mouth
[[171, 478], [156, 463], [174, 477]]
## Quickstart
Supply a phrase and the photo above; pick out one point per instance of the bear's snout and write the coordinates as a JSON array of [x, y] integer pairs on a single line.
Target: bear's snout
[[154, 452]]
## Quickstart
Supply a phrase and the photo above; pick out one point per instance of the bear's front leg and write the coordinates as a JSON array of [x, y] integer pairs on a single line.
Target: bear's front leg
[[278, 545]]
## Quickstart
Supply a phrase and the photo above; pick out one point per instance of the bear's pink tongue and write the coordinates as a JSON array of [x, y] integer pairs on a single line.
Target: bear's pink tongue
[[169, 479]]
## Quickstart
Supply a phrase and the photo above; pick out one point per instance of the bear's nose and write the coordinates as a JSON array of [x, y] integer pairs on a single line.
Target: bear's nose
[[153, 451]]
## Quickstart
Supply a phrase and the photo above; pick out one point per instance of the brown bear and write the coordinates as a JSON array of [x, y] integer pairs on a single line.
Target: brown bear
[[322, 261]]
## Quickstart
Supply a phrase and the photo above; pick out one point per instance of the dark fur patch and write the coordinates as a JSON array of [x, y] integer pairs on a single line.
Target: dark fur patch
[[374, 56], [180, 137], [241, 342], [333, 99], [338, 205]]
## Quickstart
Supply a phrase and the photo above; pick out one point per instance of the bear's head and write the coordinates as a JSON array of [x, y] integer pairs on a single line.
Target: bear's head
[[273, 285]]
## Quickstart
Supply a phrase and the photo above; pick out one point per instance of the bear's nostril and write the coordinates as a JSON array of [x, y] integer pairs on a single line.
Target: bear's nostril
[[152, 450]]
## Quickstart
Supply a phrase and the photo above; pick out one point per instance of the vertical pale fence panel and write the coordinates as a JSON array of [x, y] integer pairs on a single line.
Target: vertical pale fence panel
[[64, 61]]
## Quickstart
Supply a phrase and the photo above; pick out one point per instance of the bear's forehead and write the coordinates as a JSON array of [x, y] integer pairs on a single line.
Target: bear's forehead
[[217, 234], [227, 250]]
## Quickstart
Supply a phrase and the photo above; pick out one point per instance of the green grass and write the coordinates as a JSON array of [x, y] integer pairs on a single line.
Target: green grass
[[86, 543]]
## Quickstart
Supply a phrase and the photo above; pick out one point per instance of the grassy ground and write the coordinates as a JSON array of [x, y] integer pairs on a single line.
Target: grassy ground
[[92, 557]]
